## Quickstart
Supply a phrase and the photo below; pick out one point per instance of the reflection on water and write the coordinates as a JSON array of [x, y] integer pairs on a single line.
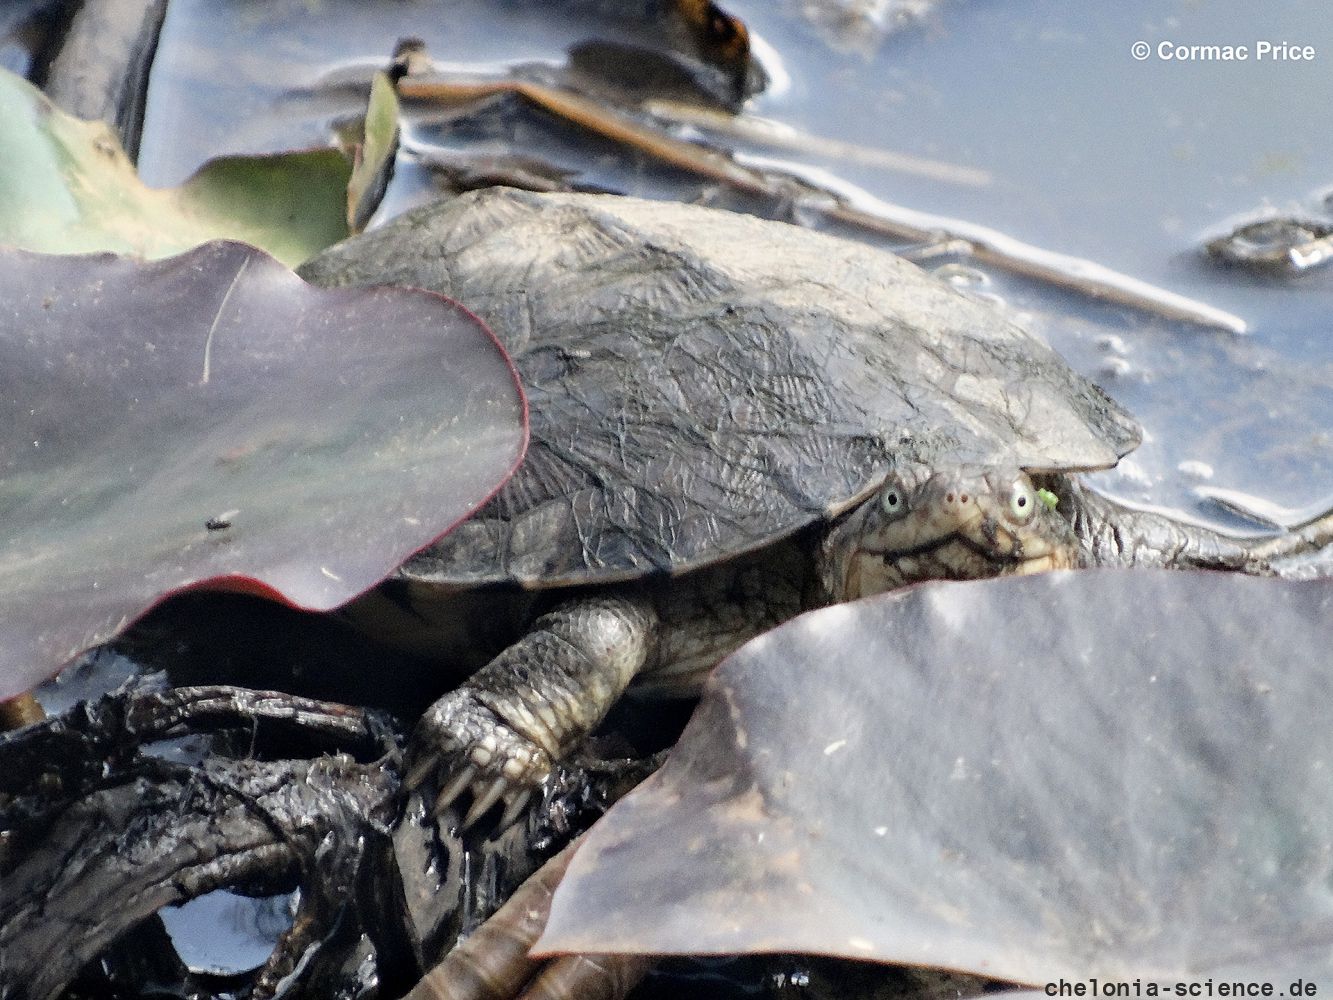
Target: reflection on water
[[223, 933], [1085, 150]]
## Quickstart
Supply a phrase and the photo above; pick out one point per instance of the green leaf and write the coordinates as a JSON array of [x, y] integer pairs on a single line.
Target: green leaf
[[66, 186], [375, 155]]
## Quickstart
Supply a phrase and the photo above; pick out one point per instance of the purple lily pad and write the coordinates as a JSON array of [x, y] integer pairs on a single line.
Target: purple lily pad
[[1113, 774], [212, 420]]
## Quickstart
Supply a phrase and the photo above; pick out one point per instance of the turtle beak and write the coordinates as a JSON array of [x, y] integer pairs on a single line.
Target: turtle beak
[[1040, 564], [756, 79]]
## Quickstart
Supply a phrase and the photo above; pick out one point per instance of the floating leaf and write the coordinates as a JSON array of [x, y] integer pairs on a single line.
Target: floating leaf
[[211, 419], [66, 186], [1110, 774]]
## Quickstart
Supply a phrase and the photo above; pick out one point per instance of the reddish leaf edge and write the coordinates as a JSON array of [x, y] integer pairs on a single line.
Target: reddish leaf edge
[[238, 583]]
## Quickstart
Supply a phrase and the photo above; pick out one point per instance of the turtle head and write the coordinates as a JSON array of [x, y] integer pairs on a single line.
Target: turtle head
[[721, 43], [954, 524]]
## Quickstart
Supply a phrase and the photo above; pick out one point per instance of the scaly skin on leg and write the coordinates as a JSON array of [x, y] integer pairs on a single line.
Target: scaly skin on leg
[[500, 733]]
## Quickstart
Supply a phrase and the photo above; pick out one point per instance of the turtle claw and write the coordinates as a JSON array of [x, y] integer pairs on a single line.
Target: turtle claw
[[419, 772], [515, 803], [482, 803], [454, 789], [469, 748]]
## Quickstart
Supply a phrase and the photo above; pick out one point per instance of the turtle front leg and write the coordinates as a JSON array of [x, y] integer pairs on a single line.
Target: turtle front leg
[[500, 733]]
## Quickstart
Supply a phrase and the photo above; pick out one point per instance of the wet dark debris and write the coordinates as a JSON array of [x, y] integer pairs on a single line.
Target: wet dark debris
[[105, 819]]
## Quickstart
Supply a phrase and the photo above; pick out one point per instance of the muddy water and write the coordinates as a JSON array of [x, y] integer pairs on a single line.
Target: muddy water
[[1048, 128]]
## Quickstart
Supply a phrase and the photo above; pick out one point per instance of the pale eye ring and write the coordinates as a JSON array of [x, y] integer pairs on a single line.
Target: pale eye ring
[[891, 500], [1022, 501]]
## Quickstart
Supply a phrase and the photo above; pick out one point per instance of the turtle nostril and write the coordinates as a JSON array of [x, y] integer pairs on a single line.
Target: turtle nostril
[[948, 498], [962, 498]]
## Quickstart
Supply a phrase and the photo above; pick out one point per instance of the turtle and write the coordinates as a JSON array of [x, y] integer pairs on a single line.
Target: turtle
[[732, 420]]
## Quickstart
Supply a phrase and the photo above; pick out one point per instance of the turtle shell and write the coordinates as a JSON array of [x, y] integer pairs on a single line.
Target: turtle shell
[[702, 383]]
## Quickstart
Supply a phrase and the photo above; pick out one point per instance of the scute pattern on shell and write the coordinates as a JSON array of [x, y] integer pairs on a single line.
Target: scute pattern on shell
[[702, 383]]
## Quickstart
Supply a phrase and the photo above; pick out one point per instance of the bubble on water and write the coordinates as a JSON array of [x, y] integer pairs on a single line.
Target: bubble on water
[[962, 277], [1195, 469], [1132, 473], [1113, 366]]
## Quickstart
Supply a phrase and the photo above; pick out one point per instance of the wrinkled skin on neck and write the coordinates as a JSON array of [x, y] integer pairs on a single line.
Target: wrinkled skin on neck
[[1113, 534], [974, 522]]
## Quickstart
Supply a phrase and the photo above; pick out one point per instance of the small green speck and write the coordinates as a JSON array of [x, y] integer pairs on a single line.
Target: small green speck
[[1048, 498]]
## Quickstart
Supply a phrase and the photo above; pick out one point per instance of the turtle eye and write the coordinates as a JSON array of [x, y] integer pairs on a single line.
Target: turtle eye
[[721, 27], [892, 500], [1022, 501]]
